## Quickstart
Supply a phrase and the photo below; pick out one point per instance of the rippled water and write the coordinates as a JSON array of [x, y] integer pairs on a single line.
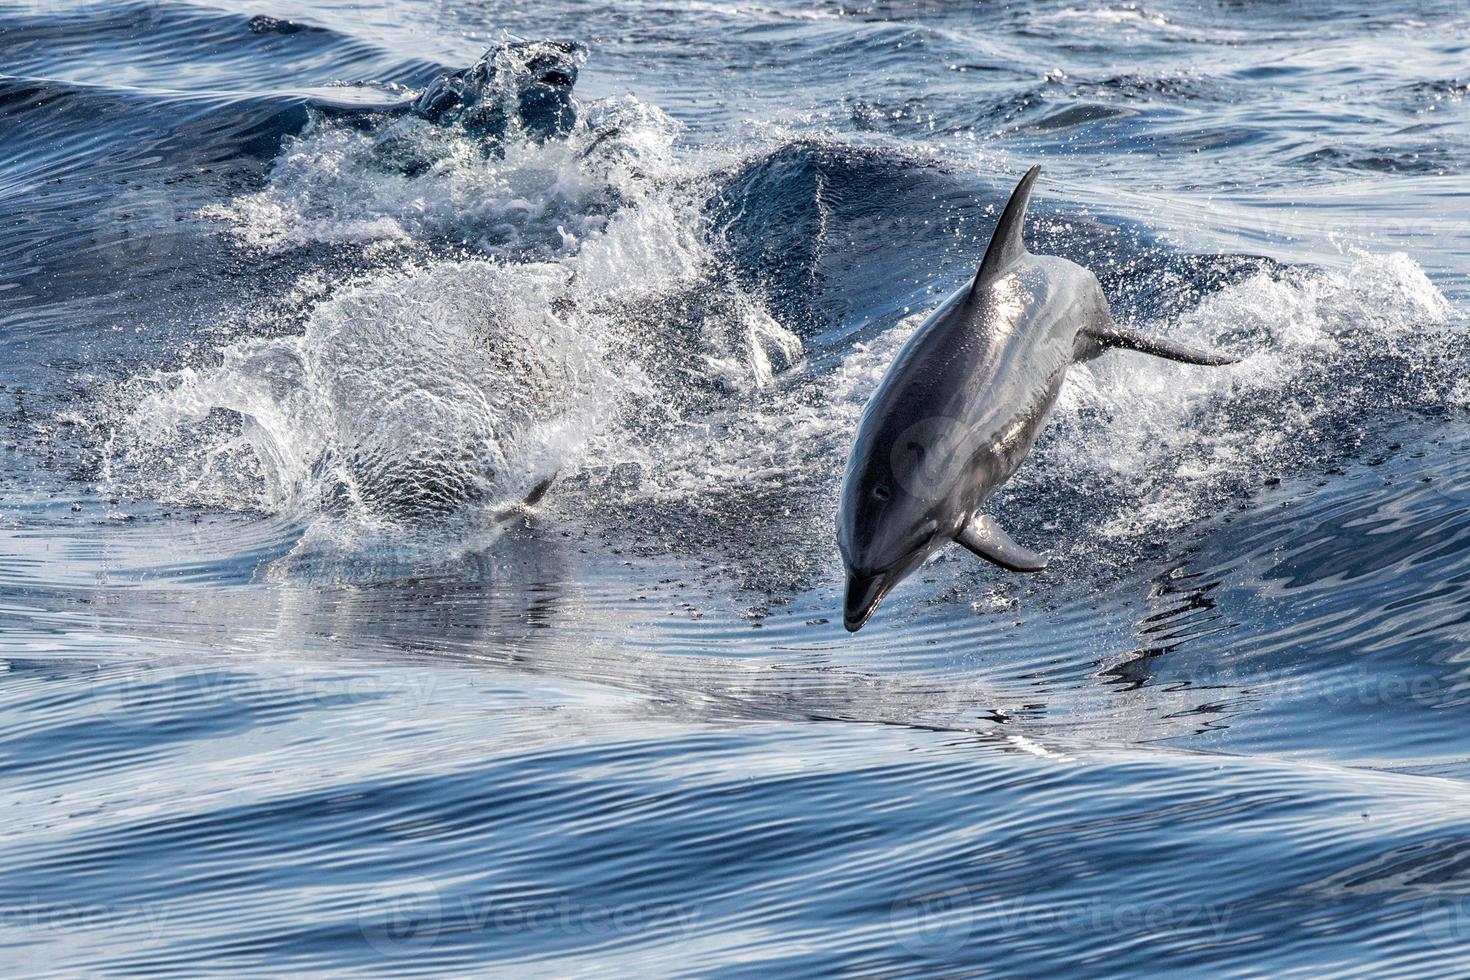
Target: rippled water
[[289, 685]]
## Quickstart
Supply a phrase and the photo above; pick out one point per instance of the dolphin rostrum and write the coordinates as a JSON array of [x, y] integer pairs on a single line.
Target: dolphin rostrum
[[961, 405]]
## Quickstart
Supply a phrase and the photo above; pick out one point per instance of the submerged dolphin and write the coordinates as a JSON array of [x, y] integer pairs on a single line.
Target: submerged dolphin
[[961, 406]]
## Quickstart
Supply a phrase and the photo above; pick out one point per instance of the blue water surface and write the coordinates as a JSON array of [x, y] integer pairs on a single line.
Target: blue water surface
[[294, 309]]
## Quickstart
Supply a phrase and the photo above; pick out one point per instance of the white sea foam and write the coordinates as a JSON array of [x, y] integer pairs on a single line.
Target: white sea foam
[[456, 384], [600, 338], [1148, 443], [1323, 350], [420, 181]]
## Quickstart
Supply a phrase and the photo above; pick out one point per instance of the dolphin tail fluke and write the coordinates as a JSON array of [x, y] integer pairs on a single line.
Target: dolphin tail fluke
[[1007, 244], [990, 541], [539, 490], [1116, 336], [531, 500]]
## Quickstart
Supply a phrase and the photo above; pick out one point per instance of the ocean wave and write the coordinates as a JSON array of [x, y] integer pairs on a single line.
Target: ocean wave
[[592, 307]]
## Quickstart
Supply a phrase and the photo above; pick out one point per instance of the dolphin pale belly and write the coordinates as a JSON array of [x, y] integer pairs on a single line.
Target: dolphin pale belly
[[961, 406]]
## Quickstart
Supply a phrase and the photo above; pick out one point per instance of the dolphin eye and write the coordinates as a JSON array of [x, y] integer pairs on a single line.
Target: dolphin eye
[[882, 493]]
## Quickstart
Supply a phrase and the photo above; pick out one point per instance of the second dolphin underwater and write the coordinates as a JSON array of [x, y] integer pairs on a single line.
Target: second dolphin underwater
[[961, 406]]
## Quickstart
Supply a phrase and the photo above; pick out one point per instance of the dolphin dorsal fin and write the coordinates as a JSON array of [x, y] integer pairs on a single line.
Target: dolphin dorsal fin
[[1006, 245]]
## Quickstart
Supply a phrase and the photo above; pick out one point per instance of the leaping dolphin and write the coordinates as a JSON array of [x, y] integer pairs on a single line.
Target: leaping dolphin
[[961, 406]]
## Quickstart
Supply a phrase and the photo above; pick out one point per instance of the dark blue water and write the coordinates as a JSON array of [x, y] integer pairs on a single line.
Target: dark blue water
[[292, 307]]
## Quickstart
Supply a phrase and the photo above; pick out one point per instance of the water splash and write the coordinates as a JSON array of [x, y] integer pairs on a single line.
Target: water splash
[[1326, 351], [594, 311]]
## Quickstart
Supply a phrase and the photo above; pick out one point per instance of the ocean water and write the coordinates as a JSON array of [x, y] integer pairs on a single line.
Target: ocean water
[[293, 310]]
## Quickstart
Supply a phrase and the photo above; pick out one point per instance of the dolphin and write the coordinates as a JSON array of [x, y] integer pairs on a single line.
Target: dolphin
[[961, 406]]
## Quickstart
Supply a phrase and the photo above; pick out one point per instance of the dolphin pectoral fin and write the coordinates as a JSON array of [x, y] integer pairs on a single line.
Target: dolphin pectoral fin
[[990, 541], [1123, 339]]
